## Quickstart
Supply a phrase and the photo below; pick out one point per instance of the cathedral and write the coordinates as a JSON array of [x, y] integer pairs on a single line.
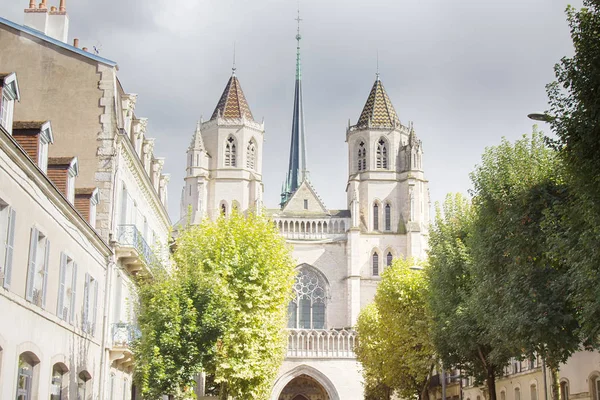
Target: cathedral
[[340, 253]]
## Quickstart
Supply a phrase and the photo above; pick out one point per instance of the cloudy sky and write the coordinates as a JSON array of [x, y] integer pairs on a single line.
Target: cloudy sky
[[466, 72]]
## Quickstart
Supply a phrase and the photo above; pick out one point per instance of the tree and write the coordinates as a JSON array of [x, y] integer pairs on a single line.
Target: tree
[[223, 310], [575, 108], [521, 288], [461, 339], [394, 344]]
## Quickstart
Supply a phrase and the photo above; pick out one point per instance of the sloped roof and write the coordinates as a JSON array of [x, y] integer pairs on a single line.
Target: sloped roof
[[233, 104], [378, 109], [295, 204]]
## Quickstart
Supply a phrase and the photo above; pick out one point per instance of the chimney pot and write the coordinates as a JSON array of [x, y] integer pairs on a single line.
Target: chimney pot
[[62, 6], [85, 49], [76, 42], [52, 9], [31, 4], [43, 5]]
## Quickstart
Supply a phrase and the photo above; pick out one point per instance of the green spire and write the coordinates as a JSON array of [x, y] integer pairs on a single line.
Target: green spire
[[298, 38]]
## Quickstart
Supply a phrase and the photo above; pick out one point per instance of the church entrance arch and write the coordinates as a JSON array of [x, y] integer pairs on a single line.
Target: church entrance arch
[[304, 383]]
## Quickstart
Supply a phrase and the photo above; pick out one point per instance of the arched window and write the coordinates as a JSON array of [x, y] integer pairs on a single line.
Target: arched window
[[596, 388], [307, 309], [375, 264], [84, 381], [223, 209], [388, 217], [533, 391], [59, 382], [503, 395], [230, 152], [517, 393], [382, 156], [251, 155], [26, 387], [564, 390], [362, 157], [389, 258], [375, 217]]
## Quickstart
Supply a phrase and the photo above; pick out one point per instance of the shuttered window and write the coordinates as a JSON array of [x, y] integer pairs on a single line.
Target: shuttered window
[[7, 242]]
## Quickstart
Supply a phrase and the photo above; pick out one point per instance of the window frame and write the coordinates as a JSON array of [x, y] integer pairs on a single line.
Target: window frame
[[375, 268], [381, 154], [7, 241], [230, 153]]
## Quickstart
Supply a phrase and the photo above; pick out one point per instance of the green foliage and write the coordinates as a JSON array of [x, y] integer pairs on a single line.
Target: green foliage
[[223, 310], [575, 104], [395, 347], [522, 290], [461, 339]]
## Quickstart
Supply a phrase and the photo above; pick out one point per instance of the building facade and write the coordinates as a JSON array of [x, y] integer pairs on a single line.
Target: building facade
[[340, 253], [79, 125]]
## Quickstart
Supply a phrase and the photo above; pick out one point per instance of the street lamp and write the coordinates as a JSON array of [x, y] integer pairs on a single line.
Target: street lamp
[[541, 117]]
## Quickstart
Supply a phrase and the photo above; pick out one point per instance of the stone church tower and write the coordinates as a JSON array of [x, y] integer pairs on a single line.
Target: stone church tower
[[224, 160]]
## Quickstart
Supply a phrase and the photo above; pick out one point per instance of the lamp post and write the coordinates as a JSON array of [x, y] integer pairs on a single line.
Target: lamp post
[[544, 117]]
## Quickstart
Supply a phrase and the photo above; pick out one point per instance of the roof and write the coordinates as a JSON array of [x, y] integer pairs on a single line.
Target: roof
[[378, 110], [85, 191], [46, 38], [233, 103], [29, 125], [66, 161]]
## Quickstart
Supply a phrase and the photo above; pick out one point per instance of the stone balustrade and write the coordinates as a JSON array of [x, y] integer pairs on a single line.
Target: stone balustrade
[[321, 343], [312, 229]]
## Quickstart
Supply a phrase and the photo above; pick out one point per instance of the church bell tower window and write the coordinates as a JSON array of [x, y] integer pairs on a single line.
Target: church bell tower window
[[251, 155], [375, 217], [382, 158], [375, 265], [230, 153], [362, 157]]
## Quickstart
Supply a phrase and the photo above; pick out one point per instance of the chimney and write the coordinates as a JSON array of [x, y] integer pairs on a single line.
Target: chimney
[[85, 49], [76, 42], [53, 22]]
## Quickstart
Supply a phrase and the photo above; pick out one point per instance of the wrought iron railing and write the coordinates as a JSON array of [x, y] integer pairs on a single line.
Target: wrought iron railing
[[321, 343], [129, 235], [123, 334]]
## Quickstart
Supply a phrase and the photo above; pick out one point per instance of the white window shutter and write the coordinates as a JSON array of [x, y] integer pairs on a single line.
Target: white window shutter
[[10, 242], [86, 303], [95, 309], [45, 282], [61, 286], [73, 293], [31, 266]]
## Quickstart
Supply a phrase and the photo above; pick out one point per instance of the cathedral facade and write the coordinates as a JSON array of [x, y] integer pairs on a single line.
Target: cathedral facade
[[340, 253]]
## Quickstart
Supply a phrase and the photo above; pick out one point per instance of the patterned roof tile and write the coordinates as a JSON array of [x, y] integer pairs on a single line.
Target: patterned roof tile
[[378, 110], [233, 104]]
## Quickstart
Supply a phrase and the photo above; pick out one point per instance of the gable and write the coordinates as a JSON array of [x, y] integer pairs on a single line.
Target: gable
[[305, 200]]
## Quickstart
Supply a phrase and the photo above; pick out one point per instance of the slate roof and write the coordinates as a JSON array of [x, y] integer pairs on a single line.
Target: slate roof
[[378, 110], [233, 104]]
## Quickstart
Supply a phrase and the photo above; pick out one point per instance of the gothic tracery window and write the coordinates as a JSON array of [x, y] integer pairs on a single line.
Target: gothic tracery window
[[375, 217], [362, 157], [251, 155], [388, 217], [382, 156], [375, 264], [389, 259], [230, 152], [307, 309]]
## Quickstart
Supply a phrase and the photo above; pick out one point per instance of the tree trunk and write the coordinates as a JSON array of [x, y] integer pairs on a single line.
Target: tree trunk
[[223, 393], [554, 383], [491, 382]]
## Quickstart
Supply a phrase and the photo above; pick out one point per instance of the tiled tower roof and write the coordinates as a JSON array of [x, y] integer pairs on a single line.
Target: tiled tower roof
[[378, 110], [233, 103]]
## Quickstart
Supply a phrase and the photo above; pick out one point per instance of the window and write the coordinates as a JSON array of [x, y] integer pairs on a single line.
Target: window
[[375, 217], [517, 394], [564, 390], [251, 155], [83, 381], [126, 390], [93, 203], [4, 111], [389, 259], [223, 209], [388, 217], [597, 387], [382, 157], [67, 284], [26, 386], [533, 392], [375, 264], [7, 242], [230, 153], [503, 395], [59, 382], [307, 309], [306, 204], [362, 157], [111, 388], [37, 271], [90, 301]]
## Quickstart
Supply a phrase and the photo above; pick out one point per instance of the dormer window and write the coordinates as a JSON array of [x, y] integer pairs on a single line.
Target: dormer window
[[62, 171], [9, 90], [34, 137], [44, 140]]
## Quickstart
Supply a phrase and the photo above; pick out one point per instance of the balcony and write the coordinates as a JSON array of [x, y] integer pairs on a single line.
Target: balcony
[[123, 335], [321, 343], [134, 252]]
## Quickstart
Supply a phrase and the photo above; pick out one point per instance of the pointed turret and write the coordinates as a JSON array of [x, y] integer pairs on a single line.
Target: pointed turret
[[297, 170], [378, 110], [197, 142], [233, 104]]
